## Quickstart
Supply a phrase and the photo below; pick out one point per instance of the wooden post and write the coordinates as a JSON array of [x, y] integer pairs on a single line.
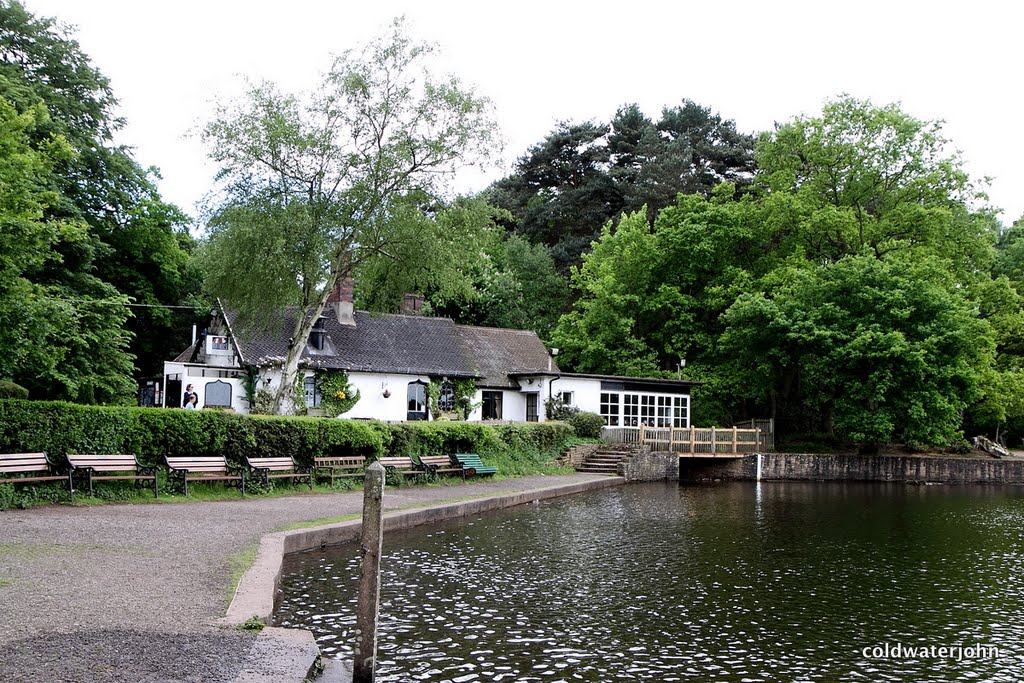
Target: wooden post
[[671, 438], [714, 443], [693, 441], [643, 428], [734, 441], [368, 607]]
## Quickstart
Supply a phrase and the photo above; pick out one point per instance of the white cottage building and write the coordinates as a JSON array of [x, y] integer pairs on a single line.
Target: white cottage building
[[391, 359]]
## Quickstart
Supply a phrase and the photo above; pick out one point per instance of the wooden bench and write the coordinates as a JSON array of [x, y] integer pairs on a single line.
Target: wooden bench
[[473, 465], [125, 466], [402, 465], [340, 467], [441, 464], [24, 468], [278, 468], [214, 468]]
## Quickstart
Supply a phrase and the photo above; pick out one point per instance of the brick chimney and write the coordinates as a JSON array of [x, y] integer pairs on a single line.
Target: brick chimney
[[341, 299], [411, 304]]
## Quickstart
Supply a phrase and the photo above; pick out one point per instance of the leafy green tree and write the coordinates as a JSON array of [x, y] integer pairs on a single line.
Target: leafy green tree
[[846, 290], [567, 187], [132, 240], [315, 187], [510, 283], [885, 348], [1010, 254], [47, 336]]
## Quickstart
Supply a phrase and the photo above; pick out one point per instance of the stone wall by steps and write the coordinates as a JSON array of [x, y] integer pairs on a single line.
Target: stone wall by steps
[[575, 455], [645, 465]]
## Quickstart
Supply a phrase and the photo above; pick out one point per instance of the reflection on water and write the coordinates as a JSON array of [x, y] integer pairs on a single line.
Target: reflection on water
[[729, 582]]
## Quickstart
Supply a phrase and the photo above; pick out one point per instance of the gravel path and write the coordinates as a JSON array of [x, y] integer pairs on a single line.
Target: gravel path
[[129, 592]]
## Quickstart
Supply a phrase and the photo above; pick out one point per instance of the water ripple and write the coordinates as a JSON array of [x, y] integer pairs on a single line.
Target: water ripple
[[708, 583]]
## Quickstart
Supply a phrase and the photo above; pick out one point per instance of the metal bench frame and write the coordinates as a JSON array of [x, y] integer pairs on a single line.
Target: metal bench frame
[[211, 468], [95, 467], [283, 467], [340, 467], [29, 463], [434, 465]]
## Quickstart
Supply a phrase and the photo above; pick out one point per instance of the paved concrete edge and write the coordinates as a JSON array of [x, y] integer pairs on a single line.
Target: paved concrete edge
[[281, 654], [258, 588]]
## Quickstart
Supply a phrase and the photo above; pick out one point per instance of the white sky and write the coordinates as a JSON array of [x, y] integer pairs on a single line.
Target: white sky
[[753, 61]]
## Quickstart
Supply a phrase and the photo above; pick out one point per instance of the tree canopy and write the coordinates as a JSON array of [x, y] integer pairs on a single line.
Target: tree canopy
[[314, 187], [565, 188], [105, 237], [839, 293]]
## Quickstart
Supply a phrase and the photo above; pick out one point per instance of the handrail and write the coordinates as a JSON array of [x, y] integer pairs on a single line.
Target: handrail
[[687, 440]]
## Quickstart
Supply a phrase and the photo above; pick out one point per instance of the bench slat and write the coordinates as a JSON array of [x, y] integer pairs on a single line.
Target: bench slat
[[24, 462], [25, 466]]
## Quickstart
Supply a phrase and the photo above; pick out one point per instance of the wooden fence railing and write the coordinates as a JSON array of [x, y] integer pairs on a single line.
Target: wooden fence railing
[[767, 427], [689, 441]]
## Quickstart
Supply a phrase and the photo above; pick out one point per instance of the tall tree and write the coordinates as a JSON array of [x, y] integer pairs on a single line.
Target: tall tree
[[567, 187], [849, 290], [47, 338], [134, 244], [315, 186]]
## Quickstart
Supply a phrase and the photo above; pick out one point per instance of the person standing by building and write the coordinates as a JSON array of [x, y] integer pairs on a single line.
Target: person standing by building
[[191, 398]]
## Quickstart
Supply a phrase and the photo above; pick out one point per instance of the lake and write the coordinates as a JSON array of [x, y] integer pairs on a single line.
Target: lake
[[730, 582]]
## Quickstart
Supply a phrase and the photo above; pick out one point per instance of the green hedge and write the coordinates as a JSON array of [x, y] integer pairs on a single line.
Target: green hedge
[[150, 433], [60, 428]]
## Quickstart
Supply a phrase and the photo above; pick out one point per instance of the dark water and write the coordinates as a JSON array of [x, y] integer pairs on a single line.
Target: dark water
[[730, 582]]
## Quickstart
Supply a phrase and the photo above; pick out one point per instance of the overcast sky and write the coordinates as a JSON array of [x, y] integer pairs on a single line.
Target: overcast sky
[[756, 62]]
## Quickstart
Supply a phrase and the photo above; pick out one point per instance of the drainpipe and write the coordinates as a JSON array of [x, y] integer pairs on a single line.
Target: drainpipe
[[550, 382]]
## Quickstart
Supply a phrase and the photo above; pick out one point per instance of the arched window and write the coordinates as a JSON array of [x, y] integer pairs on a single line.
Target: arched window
[[417, 401], [446, 398]]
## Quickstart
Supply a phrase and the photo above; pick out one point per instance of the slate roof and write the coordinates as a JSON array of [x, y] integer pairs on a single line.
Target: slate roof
[[500, 352], [404, 344]]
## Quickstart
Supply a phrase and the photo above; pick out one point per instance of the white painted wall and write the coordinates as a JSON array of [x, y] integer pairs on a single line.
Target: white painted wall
[[372, 404], [192, 374], [586, 392]]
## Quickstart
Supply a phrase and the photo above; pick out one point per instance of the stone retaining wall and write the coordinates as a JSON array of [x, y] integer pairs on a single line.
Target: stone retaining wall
[[575, 455], [896, 468], [645, 465]]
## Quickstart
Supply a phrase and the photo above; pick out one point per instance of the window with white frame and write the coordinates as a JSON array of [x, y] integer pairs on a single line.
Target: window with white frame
[[311, 393], [416, 396], [610, 409], [631, 410], [647, 410], [566, 397], [446, 397], [491, 407], [664, 411], [681, 412]]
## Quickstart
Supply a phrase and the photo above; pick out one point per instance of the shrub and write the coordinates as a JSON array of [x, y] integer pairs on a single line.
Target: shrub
[[559, 410], [587, 425], [12, 390], [151, 433]]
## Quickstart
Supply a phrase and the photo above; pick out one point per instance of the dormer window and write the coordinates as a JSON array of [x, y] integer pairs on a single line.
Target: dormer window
[[317, 335]]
